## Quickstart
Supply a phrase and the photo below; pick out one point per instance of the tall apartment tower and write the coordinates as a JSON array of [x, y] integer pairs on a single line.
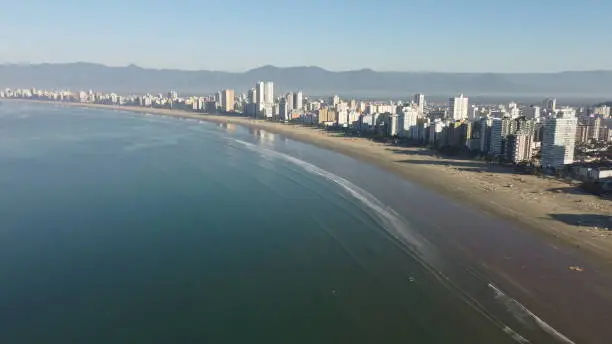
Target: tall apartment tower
[[269, 93], [298, 100], [458, 108], [260, 95], [252, 96], [558, 140], [227, 100], [419, 100], [550, 104], [289, 97]]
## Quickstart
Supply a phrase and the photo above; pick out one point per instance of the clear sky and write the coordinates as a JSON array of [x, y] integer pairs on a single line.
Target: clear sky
[[236, 35]]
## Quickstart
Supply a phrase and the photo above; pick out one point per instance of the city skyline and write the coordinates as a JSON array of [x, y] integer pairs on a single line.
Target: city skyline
[[534, 36]]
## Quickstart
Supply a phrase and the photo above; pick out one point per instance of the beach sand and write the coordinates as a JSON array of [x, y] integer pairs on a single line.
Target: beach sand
[[547, 206]]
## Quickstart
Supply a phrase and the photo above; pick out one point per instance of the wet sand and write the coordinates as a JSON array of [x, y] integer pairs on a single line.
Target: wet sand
[[535, 272]]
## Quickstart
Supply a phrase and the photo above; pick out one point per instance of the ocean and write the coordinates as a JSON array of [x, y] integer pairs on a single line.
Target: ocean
[[129, 228]]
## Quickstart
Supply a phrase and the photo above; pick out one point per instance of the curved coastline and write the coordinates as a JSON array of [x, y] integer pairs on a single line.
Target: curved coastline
[[436, 178], [444, 176]]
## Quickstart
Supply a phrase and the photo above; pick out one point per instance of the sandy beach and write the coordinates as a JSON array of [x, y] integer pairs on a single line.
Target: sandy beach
[[552, 208]]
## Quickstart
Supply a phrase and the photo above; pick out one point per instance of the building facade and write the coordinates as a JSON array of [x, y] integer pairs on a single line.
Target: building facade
[[558, 140], [458, 108]]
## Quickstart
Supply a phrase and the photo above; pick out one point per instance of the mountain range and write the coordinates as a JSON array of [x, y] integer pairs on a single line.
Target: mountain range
[[312, 80]]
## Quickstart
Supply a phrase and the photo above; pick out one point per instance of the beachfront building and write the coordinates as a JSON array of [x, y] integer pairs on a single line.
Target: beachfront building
[[408, 117], [458, 108], [227, 100], [298, 100], [520, 146], [283, 110], [259, 94], [559, 139], [269, 93], [289, 100]]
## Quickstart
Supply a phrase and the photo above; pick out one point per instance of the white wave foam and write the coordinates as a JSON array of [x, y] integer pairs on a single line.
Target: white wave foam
[[524, 311], [514, 335], [389, 218], [393, 222]]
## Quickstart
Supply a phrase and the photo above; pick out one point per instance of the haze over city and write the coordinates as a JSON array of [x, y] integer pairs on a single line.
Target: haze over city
[[386, 35]]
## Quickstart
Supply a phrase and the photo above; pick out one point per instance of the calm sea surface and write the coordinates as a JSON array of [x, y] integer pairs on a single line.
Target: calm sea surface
[[126, 228]]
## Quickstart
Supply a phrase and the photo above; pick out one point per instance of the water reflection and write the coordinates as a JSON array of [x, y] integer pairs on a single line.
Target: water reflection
[[229, 127], [262, 135]]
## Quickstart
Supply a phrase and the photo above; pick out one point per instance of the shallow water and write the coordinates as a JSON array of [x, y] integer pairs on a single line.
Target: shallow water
[[127, 228]]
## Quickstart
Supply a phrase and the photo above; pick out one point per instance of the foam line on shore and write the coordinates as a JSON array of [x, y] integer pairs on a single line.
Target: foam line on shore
[[395, 226], [386, 215], [524, 311]]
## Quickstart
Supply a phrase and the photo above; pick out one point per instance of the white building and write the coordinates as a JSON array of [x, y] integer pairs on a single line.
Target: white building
[[392, 125], [558, 140], [550, 104], [408, 119], [458, 107], [268, 93], [298, 100], [474, 113], [334, 100], [520, 146], [289, 100], [343, 118], [260, 94], [419, 100], [602, 110], [353, 118], [435, 129]]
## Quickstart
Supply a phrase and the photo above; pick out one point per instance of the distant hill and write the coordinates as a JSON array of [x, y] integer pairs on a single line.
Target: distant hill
[[313, 80]]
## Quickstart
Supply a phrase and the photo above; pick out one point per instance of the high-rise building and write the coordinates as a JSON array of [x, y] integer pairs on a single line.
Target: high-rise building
[[333, 100], [593, 126], [391, 124], [458, 108], [252, 96], [419, 100], [298, 100], [269, 93], [496, 139], [559, 139], [408, 117], [227, 100], [483, 134], [603, 110], [260, 96], [283, 110], [520, 146], [582, 133], [533, 112], [289, 100], [550, 104]]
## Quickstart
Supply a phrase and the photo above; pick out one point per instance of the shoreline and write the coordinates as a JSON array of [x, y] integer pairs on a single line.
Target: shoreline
[[546, 207]]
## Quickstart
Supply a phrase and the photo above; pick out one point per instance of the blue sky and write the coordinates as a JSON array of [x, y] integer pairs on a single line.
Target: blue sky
[[236, 35]]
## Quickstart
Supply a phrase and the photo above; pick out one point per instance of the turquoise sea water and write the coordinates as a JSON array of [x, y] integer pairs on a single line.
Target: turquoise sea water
[[125, 228]]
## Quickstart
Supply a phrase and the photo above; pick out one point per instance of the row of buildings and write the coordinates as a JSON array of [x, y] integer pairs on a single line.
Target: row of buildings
[[544, 134]]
